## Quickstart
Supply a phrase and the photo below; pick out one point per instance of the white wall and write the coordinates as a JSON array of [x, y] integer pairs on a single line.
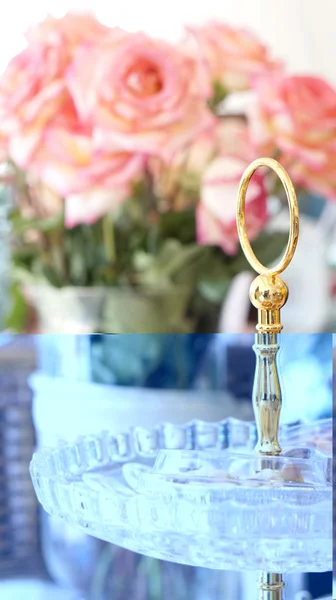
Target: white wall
[[300, 31]]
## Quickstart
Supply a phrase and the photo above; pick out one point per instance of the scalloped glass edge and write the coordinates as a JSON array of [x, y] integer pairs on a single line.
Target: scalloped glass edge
[[161, 526], [95, 450]]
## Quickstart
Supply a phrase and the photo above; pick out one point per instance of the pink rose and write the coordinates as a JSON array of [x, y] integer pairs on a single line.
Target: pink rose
[[185, 172], [73, 29], [234, 56], [230, 137], [92, 182], [139, 93], [296, 115], [33, 88], [216, 212], [32, 91], [68, 161], [57, 148], [44, 133]]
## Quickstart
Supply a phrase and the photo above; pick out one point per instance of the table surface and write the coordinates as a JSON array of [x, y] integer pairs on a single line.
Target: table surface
[[28, 589]]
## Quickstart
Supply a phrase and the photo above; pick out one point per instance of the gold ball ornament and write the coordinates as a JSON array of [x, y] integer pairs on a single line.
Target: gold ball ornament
[[268, 292]]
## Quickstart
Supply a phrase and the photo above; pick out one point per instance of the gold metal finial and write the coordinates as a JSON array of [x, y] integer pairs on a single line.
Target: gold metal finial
[[268, 292]]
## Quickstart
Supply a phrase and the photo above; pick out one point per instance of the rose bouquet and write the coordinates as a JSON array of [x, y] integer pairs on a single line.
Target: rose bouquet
[[123, 166]]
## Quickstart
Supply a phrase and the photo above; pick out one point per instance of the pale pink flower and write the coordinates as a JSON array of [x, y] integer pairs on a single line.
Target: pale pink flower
[[216, 212], [296, 115], [44, 133], [89, 207], [179, 182], [44, 202], [229, 136], [32, 91], [69, 162], [71, 30], [234, 57], [139, 93], [33, 88]]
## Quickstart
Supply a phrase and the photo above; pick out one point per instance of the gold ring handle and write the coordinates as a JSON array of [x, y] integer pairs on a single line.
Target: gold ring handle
[[293, 216], [268, 292]]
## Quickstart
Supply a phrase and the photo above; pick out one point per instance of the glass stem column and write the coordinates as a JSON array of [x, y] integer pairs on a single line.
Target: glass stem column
[[271, 586], [267, 400], [268, 294]]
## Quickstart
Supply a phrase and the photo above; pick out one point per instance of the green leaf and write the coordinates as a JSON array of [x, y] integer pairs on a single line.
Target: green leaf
[[18, 312], [49, 274], [142, 261], [268, 247], [174, 263], [214, 291], [214, 278], [178, 225], [219, 94], [21, 225]]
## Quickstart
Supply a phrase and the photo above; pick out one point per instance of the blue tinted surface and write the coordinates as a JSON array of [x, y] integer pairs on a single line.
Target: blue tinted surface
[[196, 361]]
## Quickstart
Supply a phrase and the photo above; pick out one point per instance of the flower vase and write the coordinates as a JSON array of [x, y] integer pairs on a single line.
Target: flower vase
[[109, 310]]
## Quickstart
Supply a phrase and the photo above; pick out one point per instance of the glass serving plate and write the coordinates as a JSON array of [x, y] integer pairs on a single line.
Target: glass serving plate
[[198, 494]]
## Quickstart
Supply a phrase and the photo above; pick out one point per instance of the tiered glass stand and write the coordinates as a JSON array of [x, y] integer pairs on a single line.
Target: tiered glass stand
[[229, 495], [199, 494]]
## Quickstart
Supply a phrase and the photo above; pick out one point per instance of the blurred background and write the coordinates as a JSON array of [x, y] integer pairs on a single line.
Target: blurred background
[[334, 462], [301, 35], [59, 387], [139, 235]]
